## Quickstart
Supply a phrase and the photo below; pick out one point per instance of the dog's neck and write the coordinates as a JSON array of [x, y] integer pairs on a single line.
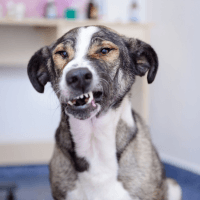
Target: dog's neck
[[95, 138]]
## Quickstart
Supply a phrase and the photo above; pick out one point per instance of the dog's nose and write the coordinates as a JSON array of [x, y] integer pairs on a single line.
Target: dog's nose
[[79, 78]]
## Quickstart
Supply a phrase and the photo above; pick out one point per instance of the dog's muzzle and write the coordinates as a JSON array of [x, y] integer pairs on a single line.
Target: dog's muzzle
[[80, 81]]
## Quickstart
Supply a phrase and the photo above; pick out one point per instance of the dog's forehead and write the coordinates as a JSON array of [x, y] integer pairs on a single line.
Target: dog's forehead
[[83, 39], [84, 35]]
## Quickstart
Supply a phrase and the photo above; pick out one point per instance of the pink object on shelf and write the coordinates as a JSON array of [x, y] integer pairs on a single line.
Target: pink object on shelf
[[36, 8]]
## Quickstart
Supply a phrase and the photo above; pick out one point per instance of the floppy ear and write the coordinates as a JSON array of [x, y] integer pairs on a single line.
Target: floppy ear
[[144, 58], [37, 69]]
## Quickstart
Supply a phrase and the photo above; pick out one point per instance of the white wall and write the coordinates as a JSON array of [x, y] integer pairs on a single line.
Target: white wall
[[25, 115], [175, 96]]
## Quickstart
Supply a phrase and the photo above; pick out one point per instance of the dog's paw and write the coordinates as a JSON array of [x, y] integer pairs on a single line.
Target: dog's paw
[[75, 195], [174, 190]]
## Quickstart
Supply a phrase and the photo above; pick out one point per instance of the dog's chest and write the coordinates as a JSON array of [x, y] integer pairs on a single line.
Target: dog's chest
[[95, 140]]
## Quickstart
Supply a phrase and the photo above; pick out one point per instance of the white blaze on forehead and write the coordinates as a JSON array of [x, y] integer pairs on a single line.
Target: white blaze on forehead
[[83, 40]]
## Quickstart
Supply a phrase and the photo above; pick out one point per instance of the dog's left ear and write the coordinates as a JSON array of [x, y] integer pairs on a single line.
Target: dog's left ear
[[144, 58], [37, 69]]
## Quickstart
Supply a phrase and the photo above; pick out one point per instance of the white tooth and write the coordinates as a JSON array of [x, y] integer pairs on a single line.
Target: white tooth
[[81, 96], [78, 97], [91, 97], [86, 95], [70, 103]]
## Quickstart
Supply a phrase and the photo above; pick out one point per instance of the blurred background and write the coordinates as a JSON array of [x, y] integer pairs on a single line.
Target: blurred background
[[170, 105]]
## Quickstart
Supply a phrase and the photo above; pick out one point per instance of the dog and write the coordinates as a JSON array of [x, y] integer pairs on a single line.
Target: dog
[[103, 149]]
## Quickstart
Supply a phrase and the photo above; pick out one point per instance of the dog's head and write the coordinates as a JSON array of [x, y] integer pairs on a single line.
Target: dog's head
[[91, 69]]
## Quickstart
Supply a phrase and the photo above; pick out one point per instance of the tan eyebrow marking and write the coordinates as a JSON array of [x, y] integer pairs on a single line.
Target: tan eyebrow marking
[[94, 51], [58, 60], [60, 47]]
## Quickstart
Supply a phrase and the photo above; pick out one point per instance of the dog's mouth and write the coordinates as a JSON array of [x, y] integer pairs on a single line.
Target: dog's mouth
[[85, 105], [85, 99]]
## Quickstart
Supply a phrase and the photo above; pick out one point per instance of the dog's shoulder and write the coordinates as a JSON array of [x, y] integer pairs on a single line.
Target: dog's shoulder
[[139, 162]]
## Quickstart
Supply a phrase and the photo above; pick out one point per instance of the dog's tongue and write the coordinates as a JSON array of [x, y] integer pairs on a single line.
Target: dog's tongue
[[93, 103]]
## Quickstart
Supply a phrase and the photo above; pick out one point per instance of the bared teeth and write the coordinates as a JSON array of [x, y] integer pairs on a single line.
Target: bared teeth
[[91, 97], [74, 101], [70, 103], [86, 97], [86, 100]]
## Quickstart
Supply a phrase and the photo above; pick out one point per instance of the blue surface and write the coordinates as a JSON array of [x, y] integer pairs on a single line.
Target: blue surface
[[33, 182], [189, 182]]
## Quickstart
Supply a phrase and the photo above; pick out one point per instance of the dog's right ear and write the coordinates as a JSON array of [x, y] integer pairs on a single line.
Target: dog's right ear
[[144, 58], [37, 69]]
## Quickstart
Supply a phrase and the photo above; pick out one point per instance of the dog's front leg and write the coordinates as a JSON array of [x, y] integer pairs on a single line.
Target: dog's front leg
[[76, 194], [63, 176], [111, 191], [65, 184]]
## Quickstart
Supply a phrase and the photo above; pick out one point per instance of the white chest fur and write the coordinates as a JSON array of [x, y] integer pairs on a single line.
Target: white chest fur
[[95, 140]]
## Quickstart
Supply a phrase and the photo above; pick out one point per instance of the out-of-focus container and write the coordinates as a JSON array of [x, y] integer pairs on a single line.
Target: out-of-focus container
[[92, 10], [70, 13], [20, 10], [51, 10], [10, 6], [134, 12]]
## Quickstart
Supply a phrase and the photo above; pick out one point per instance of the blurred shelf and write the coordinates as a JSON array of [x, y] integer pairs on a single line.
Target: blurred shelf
[[42, 22], [29, 22]]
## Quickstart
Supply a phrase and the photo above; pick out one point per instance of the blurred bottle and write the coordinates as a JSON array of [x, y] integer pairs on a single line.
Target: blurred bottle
[[20, 10], [92, 10], [10, 6], [50, 10], [134, 12]]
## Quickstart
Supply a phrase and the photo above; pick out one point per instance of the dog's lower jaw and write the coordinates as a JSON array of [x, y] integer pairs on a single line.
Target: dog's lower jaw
[[83, 114]]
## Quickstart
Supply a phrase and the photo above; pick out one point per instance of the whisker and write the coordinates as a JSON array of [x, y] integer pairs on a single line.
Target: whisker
[[107, 75]]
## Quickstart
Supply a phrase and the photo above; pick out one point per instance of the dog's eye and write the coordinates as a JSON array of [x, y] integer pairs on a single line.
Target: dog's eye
[[105, 50], [62, 53]]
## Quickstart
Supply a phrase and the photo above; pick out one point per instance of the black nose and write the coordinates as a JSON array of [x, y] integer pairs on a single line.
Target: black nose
[[79, 78]]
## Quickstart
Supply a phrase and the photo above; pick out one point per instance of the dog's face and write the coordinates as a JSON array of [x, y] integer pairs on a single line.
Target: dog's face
[[91, 69]]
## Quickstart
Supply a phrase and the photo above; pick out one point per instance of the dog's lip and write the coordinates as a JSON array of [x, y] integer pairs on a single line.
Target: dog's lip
[[87, 110], [91, 97], [83, 107]]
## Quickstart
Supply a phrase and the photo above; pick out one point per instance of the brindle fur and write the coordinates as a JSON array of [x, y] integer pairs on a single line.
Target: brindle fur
[[140, 169]]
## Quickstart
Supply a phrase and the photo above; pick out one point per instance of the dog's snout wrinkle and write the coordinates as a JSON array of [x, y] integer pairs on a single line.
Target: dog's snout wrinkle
[[79, 79]]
